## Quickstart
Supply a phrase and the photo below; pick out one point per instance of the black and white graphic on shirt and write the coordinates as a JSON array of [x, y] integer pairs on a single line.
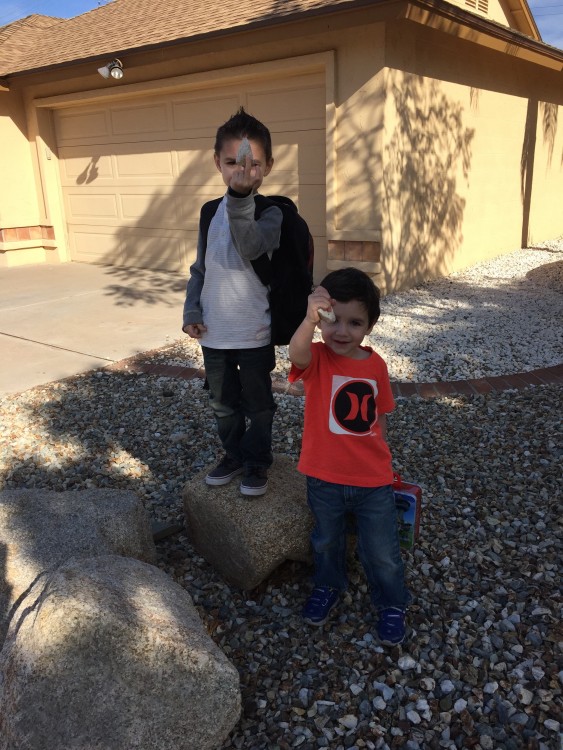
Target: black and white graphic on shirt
[[352, 406]]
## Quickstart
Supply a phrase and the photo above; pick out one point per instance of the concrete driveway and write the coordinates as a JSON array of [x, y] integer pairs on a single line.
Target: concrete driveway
[[61, 320]]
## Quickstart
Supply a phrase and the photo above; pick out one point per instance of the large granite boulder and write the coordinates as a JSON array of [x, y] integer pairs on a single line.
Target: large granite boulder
[[40, 529], [109, 653], [245, 539]]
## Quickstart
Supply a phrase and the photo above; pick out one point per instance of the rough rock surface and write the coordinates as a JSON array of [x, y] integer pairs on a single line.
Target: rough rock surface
[[246, 539], [41, 529], [109, 653]]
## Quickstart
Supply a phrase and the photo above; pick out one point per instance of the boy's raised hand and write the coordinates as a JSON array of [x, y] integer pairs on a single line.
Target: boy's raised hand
[[247, 177], [319, 299]]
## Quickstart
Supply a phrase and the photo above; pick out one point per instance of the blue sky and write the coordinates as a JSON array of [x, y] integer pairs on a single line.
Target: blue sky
[[548, 13]]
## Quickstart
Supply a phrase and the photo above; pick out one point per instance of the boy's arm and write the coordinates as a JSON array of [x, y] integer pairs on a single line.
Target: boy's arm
[[300, 344], [192, 315], [253, 238]]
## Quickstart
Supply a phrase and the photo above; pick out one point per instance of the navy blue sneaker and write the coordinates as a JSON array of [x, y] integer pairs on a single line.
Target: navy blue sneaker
[[319, 604], [391, 628]]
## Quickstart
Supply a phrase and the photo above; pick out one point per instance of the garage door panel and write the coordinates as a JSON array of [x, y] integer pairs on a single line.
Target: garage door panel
[[292, 105], [211, 111], [143, 120], [132, 246], [195, 162], [73, 127], [82, 165], [101, 206], [146, 164], [151, 249], [91, 246], [167, 210]]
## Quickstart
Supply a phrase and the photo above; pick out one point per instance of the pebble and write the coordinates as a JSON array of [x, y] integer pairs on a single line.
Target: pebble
[[481, 661], [406, 662]]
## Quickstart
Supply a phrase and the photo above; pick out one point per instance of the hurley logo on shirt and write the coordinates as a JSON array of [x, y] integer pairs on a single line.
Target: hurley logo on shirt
[[352, 406]]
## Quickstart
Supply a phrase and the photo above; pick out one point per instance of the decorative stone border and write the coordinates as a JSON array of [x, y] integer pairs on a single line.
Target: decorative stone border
[[543, 376]]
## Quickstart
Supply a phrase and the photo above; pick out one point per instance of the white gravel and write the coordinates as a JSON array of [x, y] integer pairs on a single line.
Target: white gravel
[[495, 318], [499, 317]]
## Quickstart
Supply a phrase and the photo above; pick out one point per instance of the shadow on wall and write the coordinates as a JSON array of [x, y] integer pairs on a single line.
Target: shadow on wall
[[527, 167], [549, 114], [424, 157], [162, 239]]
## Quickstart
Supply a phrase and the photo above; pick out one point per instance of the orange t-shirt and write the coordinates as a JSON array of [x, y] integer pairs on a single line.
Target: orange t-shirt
[[342, 441]]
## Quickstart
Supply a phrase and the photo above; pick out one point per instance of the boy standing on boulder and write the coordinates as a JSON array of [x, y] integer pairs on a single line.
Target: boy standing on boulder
[[344, 453], [227, 307]]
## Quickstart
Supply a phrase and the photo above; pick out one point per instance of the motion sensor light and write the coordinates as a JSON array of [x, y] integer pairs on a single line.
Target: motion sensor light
[[113, 69]]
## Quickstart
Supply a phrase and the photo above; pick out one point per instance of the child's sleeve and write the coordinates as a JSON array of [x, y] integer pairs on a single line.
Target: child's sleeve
[[252, 238], [296, 373], [192, 303]]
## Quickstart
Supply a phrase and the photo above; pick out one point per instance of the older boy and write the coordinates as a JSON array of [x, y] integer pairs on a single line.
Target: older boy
[[227, 307], [344, 454]]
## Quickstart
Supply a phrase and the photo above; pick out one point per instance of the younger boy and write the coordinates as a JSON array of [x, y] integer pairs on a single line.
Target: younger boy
[[227, 307], [344, 453]]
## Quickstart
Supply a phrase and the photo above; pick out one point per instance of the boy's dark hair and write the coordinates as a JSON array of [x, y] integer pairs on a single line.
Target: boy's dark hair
[[349, 284], [242, 125]]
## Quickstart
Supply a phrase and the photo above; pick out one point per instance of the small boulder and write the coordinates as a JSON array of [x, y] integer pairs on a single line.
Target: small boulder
[[110, 653], [41, 529], [243, 538]]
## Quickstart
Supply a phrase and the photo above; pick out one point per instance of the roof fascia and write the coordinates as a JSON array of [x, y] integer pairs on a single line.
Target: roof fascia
[[436, 14], [522, 14]]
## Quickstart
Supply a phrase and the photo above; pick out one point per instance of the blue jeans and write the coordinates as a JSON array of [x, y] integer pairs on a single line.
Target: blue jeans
[[378, 539], [240, 389]]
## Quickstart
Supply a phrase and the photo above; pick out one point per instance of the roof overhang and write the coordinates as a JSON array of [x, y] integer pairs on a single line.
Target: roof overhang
[[455, 22], [435, 14]]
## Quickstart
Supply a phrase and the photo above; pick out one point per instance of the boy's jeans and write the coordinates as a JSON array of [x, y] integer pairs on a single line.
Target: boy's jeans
[[240, 387], [378, 540]]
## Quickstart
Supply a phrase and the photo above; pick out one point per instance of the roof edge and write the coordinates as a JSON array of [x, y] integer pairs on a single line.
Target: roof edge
[[405, 8]]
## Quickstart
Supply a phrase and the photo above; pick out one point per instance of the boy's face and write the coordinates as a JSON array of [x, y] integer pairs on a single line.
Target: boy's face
[[226, 163], [346, 334]]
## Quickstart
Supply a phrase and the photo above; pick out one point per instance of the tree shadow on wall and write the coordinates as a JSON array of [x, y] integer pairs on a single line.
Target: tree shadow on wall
[[549, 112], [427, 154], [149, 257]]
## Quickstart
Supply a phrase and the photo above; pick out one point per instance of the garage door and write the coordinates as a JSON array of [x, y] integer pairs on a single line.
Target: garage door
[[134, 174]]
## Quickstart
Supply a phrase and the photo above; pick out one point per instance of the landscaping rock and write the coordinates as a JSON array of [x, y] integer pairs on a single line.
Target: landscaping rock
[[41, 529], [109, 653], [246, 539]]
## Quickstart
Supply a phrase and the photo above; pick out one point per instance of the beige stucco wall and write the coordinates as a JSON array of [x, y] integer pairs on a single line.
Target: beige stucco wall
[[18, 199], [359, 104], [458, 152], [23, 237], [426, 135], [546, 209]]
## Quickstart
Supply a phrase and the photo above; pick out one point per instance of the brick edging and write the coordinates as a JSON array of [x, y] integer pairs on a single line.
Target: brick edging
[[543, 376]]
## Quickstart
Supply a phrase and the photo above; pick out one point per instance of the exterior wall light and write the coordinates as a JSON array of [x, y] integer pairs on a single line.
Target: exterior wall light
[[113, 69]]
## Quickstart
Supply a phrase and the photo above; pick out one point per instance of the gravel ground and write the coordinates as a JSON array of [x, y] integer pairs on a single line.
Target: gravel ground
[[494, 318], [481, 666]]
